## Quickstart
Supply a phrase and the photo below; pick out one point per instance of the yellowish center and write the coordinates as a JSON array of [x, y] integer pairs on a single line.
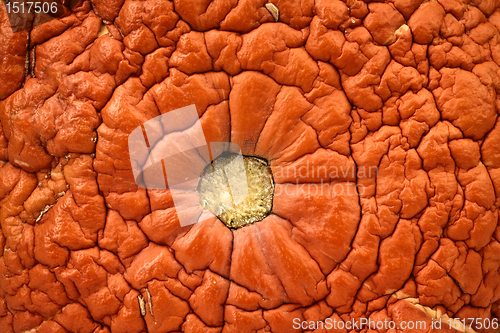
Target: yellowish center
[[223, 182]]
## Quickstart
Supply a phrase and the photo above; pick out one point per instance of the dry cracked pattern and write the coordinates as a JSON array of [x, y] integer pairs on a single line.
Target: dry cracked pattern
[[407, 88]]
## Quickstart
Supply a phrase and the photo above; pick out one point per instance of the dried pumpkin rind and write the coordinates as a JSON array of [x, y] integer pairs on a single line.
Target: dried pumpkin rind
[[380, 124]]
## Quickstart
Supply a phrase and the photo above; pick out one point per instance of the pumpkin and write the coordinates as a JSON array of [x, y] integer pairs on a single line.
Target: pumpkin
[[372, 129]]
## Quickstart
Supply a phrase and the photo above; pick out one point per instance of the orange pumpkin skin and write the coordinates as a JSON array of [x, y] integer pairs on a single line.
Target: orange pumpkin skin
[[379, 122]]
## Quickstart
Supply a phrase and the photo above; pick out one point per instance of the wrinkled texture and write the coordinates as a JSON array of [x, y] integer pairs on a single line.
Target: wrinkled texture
[[380, 123]]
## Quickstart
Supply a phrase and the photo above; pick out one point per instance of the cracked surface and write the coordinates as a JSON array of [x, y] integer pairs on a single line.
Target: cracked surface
[[389, 109]]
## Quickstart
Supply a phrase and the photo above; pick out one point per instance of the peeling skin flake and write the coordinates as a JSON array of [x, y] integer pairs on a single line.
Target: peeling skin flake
[[45, 210], [142, 305], [273, 10], [378, 124], [149, 302]]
